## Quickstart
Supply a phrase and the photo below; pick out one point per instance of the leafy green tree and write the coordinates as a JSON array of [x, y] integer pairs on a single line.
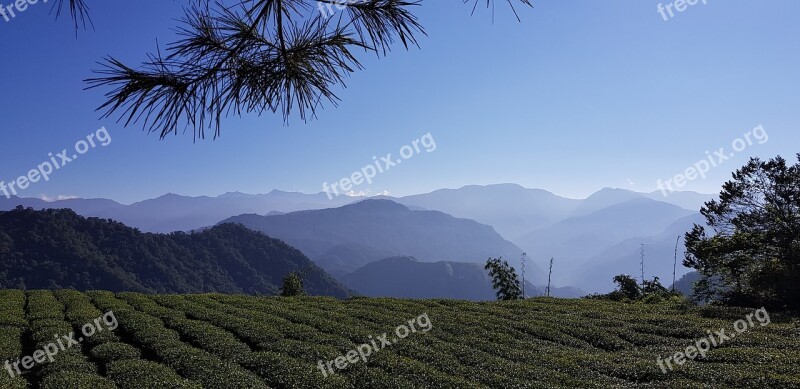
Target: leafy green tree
[[629, 290], [627, 287], [505, 281], [752, 254], [654, 287], [292, 285]]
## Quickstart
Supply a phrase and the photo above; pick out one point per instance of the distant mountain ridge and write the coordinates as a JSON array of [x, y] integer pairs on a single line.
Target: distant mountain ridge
[[685, 284], [171, 212], [405, 277], [511, 209], [625, 257], [343, 239], [582, 237], [59, 249]]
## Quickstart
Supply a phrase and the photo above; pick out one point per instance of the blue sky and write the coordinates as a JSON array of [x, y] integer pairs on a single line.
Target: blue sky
[[580, 95]]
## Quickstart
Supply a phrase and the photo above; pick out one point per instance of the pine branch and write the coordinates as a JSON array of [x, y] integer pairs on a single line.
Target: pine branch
[[77, 9], [256, 56]]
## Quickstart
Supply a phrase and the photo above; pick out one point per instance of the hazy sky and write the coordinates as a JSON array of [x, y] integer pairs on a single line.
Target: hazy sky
[[581, 95]]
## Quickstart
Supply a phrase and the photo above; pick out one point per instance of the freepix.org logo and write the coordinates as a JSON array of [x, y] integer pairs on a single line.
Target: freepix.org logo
[[677, 6], [698, 170], [43, 171], [382, 165], [326, 7], [48, 353], [8, 12]]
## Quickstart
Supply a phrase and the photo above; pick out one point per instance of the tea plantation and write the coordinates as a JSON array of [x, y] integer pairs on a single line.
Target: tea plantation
[[229, 341]]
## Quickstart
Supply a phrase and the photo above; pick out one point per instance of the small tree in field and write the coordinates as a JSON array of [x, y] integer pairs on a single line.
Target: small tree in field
[[627, 287], [628, 290], [654, 287], [293, 285], [504, 279]]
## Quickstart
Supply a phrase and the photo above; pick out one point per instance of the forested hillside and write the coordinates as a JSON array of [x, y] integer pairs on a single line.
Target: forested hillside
[[59, 249]]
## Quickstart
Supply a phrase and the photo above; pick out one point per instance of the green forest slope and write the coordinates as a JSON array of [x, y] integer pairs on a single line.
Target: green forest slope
[[53, 249]]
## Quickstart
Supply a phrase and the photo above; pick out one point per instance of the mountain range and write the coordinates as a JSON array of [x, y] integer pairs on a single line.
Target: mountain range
[[511, 209], [171, 212], [340, 240], [591, 239], [587, 243]]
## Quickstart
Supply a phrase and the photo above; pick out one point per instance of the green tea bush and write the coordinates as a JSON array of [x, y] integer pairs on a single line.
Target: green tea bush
[[42, 304], [12, 308], [7, 382], [10, 343], [206, 341], [212, 339], [205, 368], [196, 307], [114, 351], [80, 311], [76, 380], [285, 372], [134, 374]]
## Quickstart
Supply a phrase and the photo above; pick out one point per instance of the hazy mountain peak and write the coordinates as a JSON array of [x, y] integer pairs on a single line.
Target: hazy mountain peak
[[377, 204], [400, 259], [169, 197], [496, 186], [233, 195], [609, 192], [278, 191], [605, 198]]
